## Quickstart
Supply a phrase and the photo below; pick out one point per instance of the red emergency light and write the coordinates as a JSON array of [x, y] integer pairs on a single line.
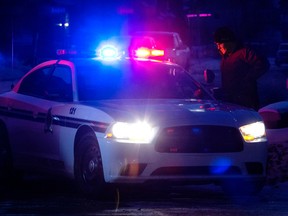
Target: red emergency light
[[143, 52]]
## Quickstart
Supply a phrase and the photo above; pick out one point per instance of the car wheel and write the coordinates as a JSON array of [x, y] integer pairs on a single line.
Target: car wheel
[[88, 166], [241, 187]]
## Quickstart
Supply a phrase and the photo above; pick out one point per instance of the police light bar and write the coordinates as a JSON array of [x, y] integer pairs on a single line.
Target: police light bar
[[142, 53], [156, 52], [108, 52], [146, 53]]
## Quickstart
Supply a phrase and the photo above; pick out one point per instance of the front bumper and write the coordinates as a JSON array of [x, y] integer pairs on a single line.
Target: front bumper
[[131, 163]]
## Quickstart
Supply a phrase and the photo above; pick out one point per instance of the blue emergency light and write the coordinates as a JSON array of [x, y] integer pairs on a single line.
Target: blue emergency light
[[108, 52]]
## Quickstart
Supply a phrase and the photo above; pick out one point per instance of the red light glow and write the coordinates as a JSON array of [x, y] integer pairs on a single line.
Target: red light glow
[[199, 15], [142, 53], [60, 52], [205, 15], [157, 52], [146, 53]]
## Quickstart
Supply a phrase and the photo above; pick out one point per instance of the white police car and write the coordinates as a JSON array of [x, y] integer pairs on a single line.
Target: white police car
[[127, 121]]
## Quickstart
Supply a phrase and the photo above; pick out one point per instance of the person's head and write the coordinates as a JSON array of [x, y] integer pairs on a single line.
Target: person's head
[[225, 40]]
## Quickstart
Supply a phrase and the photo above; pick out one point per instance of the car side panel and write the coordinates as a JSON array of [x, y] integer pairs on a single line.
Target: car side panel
[[25, 119], [71, 117]]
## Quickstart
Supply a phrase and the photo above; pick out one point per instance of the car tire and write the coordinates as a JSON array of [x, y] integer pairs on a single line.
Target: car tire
[[88, 166], [242, 187]]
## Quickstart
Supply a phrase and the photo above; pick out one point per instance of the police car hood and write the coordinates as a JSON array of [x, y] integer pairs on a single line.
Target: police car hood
[[178, 112]]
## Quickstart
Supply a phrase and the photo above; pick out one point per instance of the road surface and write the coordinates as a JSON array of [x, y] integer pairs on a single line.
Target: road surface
[[36, 196]]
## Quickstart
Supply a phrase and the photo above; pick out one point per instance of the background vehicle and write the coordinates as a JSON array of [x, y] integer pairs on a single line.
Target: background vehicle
[[174, 48], [282, 54], [128, 121], [275, 117]]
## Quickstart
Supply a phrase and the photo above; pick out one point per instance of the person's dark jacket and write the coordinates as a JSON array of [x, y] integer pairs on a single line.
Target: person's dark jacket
[[240, 71]]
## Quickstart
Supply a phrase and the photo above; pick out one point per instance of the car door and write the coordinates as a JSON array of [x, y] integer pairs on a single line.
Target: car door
[[34, 142]]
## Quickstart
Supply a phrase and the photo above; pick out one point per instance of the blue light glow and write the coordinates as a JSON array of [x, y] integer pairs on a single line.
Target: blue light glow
[[108, 52], [220, 165]]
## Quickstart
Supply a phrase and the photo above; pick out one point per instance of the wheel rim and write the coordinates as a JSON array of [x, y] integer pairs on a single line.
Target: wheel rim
[[90, 168]]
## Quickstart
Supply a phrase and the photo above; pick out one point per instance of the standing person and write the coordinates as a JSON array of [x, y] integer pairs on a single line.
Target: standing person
[[240, 68]]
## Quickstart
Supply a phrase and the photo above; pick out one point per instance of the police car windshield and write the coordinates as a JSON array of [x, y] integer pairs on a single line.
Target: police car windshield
[[135, 80]]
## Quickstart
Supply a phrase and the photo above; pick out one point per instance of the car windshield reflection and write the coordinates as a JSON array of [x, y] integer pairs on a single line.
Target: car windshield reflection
[[136, 81]]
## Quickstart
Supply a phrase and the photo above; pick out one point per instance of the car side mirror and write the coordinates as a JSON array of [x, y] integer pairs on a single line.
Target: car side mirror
[[209, 76]]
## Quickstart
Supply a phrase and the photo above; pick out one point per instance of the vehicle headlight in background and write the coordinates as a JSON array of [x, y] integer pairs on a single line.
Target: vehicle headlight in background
[[254, 132], [140, 132]]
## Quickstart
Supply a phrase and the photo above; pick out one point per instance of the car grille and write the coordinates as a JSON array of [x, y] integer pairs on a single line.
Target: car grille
[[197, 170], [199, 139]]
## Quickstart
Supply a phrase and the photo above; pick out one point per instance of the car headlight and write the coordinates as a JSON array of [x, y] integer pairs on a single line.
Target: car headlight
[[254, 132], [140, 132]]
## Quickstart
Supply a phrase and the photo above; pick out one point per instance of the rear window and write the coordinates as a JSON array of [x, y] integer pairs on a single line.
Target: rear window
[[164, 41]]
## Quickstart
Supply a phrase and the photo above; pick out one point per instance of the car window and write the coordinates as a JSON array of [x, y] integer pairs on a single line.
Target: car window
[[163, 40], [136, 81], [51, 83], [179, 42], [59, 86], [34, 83]]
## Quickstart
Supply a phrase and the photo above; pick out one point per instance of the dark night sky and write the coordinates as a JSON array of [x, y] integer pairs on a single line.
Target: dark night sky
[[31, 24]]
